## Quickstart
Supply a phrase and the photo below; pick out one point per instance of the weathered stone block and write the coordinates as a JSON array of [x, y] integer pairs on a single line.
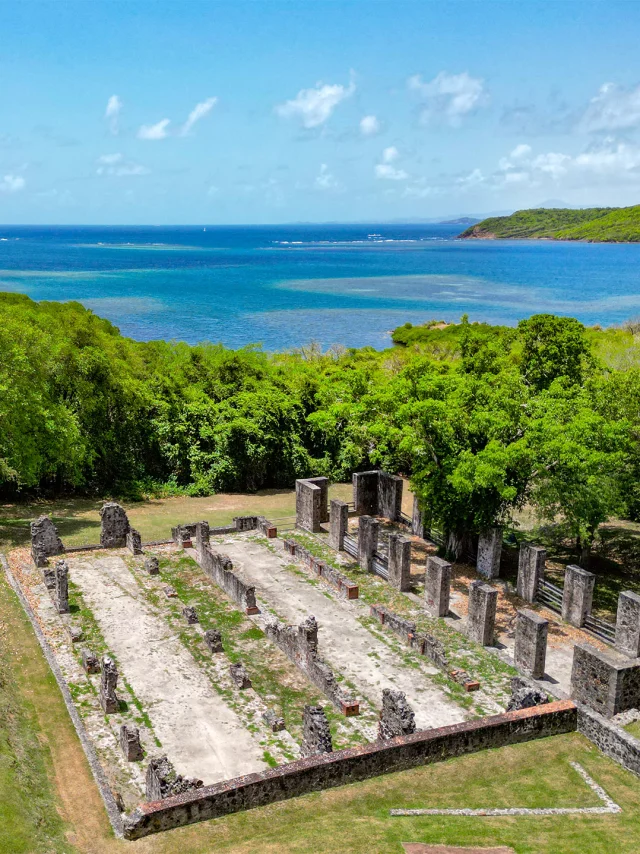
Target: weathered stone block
[[213, 640], [49, 578], [531, 563], [377, 493], [75, 633], [397, 716], [389, 496], [108, 682], [400, 562], [628, 624], [577, 595], [312, 495], [338, 523], [61, 590], [162, 780], [45, 542], [489, 553], [417, 519], [365, 492], [190, 615], [316, 735], [483, 600], [525, 696], [273, 721], [90, 661], [114, 526], [607, 682], [530, 649], [134, 541], [240, 675], [152, 565], [368, 530], [437, 586], [169, 592], [130, 743]]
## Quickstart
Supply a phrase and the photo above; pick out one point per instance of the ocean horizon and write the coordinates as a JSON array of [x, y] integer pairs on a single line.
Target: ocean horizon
[[284, 286]]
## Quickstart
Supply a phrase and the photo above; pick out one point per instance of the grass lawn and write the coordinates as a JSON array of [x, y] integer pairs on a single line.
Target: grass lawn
[[55, 807]]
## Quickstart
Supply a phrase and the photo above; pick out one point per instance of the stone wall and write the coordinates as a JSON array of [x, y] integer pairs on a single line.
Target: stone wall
[[489, 553], [45, 542], [628, 624], [365, 492], [612, 740], [300, 645], [114, 526], [343, 585], [606, 682], [184, 535], [389, 496], [308, 505], [376, 493], [338, 523], [422, 642], [348, 766], [397, 716], [220, 569]]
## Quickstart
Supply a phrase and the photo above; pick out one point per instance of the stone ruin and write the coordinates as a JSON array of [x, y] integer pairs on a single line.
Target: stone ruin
[[213, 640], [90, 661], [134, 541], [130, 743], [108, 681], [377, 493], [524, 695], [152, 565], [45, 542], [190, 615], [114, 526], [396, 717], [61, 589], [273, 721], [316, 735], [163, 781], [312, 503], [240, 675]]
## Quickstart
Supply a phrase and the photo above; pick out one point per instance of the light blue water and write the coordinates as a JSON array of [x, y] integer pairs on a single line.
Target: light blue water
[[284, 286]]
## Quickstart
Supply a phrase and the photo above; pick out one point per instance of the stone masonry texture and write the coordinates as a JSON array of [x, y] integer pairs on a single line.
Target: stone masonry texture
[[489, 553], [316, 735], [417, 520], [531, 563], [61, 589], [338, 523], [134, 541], [437, 586], [114, 526], [483, 601], [396, 717], [162, 780], [130, 743], [530, 649], [108, 683], [577, 595], [45, 541], [368, 530], [628, 624], [365, 493], [400, 562], [607, 682]]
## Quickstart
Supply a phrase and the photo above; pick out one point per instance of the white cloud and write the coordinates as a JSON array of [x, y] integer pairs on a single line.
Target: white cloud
[[213, 190], [157, 131], [314, 106], [449, 97], [325, 180], [613, 108], [199, 112], [117, 166], [471, 180], [386, 170], [369, 126], [112, 113], [12, 183]]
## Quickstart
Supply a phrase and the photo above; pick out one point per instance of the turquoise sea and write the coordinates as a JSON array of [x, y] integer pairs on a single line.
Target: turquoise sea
[[285, 286]]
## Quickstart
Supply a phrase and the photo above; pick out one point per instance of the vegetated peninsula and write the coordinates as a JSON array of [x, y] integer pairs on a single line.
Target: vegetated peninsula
[[594, 225]]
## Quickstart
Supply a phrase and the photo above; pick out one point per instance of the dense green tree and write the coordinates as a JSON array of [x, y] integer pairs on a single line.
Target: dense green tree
[[553, 347]]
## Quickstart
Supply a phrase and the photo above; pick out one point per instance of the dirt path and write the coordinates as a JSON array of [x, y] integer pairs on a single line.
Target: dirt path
[[201, 735], [343, 641]]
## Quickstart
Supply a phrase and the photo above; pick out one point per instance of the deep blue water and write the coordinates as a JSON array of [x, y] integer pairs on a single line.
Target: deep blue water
[[284, 286]]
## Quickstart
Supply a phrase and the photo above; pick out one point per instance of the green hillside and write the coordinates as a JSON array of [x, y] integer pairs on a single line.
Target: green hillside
[[613, 225]]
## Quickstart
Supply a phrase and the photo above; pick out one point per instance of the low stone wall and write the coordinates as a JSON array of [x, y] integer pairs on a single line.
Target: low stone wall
[[332, 576], [424, 643], [612, 740], [220, 568], [349, 766]]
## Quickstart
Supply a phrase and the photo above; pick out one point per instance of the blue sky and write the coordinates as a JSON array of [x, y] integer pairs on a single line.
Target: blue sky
[[266, 111]]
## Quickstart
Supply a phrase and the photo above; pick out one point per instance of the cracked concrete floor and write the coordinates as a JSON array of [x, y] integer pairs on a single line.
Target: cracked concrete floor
[[202, 736], [348, 646]]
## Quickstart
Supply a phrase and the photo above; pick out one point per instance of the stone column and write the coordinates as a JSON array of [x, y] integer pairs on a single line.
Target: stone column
[[108, 682], [483, 600], [62, 587], [489, 552], [397, 716], [365, 492], [607, 682], [202, 538], [308, 505], [531, 562], [368, 529], [530, 650], [577, 595], [134, 541], [628, 624], [45, 541], [338, 523], [114, 526], [316, 735], [130, 743], [390, 496], [437, 586], [417, 522], [400, 562]]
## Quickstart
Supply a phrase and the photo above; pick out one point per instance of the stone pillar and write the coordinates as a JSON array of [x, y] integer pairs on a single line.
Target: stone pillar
[[45, 541], [62, 587], [213, 640], [368, 529], [163, 781], [114, 526], [338, 523], [134, 541], [152, 565], [365, 492], [202, 538], [239, 675], [628, 624], [308, 505], [316, 735], [108, 682], [389, 496], [90, 662], [531, 562], [130, 743], [417, 522], [530, 650], [437, 586], [396, 717], [483, 600], [577, 595], [400, 562], [607, 682], [489, 552]]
